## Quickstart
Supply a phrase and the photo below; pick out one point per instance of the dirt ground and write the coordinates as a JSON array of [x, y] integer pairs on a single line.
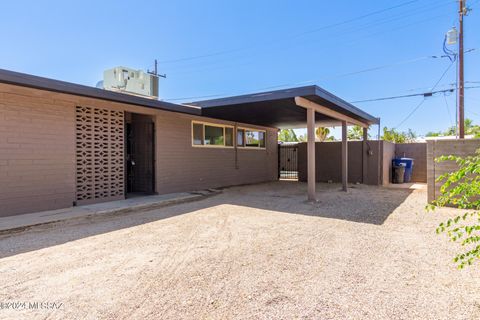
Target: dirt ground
[[253, 252]]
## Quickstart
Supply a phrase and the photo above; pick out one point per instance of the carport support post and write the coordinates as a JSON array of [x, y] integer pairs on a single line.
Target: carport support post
[[311, 154], [365, 156], [344, 156]]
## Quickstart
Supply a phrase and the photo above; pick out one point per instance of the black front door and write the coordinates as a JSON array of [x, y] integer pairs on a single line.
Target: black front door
[[140, 154]]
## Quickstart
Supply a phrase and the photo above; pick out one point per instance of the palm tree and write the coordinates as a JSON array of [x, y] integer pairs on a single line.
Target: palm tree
[[322, 133]]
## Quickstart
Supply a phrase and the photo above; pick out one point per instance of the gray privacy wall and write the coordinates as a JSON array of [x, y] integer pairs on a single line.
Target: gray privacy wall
[[378, 156], [387, 155], [329, 160], [439, 148], [417, 151]]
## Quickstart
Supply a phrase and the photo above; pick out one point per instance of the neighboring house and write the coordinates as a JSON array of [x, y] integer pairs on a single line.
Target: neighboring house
[[63, 144]]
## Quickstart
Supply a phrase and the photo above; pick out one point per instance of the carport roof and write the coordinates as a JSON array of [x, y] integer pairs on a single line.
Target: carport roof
[[278, 108]]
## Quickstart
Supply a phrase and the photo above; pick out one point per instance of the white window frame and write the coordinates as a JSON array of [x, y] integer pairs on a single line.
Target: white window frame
[[223, 126], [245, 136]]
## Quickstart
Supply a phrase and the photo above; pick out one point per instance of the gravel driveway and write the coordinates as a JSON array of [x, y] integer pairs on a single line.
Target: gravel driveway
[[252, 252]]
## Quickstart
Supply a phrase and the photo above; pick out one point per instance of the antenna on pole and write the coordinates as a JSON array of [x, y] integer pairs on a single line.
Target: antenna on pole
[[155, 70]]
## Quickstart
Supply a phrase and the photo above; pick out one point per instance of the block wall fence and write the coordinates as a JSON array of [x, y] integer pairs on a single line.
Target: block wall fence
[[379, 168], [439, 148]]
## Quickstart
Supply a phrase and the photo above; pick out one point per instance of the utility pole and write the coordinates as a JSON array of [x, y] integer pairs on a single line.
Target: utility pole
[[155, 70], [461, 80]]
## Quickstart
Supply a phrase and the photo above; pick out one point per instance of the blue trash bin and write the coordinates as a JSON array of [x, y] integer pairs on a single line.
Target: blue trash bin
[[408, 163]]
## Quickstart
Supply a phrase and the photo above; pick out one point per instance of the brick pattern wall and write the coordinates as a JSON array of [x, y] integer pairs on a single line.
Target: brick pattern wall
[[183, 167], [38, 154], [438, 148], [37, 163]]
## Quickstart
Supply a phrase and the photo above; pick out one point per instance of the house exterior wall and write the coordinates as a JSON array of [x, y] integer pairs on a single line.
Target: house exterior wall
[[38, 160], [437, 148], [37, 153], [182, 167], [418, 152]]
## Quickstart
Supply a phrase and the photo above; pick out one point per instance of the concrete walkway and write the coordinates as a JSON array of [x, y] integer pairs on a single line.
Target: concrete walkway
[[23, 221]]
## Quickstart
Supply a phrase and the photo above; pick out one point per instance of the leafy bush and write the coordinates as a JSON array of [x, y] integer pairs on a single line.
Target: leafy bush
[[355, 133], [287, 135], [395, 136], [461, 189]]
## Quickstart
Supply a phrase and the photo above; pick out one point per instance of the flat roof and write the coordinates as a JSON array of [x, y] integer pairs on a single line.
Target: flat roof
[[27, 80], [275, 109], [278, 108]]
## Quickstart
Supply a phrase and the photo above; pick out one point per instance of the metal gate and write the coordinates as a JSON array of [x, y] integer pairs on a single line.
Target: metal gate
[[288, 161]]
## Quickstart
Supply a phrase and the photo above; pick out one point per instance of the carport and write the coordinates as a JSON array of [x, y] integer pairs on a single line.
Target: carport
[[301, 107]]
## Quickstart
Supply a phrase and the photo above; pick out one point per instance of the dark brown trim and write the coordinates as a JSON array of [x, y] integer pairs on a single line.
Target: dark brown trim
[[30, 81]]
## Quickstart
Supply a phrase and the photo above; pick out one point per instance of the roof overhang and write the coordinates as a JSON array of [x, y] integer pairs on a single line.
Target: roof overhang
[[286, 108], [27, 80]]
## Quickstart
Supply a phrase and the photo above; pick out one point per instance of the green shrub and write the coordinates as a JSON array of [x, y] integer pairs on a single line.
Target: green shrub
[[461, 189]]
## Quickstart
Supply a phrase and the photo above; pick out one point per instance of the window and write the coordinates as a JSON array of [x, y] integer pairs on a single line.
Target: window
[[214, 135], [229, 136], [204, 134], [251, 138], [240, 138], [197, 135]]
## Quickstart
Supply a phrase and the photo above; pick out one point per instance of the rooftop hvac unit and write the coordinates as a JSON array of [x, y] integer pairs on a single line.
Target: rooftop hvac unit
[[131, 81]]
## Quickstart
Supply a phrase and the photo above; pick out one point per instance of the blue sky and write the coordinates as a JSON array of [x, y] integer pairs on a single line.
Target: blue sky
[[217, 48]]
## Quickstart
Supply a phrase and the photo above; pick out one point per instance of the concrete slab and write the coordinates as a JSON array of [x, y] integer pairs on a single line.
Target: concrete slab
[[408, 185], [23, 221]]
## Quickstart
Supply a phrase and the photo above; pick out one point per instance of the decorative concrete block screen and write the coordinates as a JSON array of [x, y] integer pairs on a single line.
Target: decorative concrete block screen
[[99, 155], [439, 148]]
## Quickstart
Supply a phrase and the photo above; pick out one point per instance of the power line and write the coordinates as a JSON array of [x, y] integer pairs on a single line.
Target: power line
[[355, 29], [320, 79], [349, 73], [448, 109], [421, 103], [293, 36], [423, 94], [411, 113]]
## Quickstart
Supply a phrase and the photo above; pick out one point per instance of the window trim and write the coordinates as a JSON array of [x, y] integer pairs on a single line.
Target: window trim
[[219, 125], [244, 138]]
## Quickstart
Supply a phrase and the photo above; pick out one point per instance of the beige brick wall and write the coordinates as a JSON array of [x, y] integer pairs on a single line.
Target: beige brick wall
[[439, 148], [37, 151], [182, 167]]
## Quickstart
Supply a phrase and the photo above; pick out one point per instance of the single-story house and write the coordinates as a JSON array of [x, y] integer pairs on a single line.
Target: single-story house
[[64, 144]]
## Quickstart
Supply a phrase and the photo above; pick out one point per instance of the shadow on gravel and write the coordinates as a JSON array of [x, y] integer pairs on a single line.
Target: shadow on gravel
[[361, 204]]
